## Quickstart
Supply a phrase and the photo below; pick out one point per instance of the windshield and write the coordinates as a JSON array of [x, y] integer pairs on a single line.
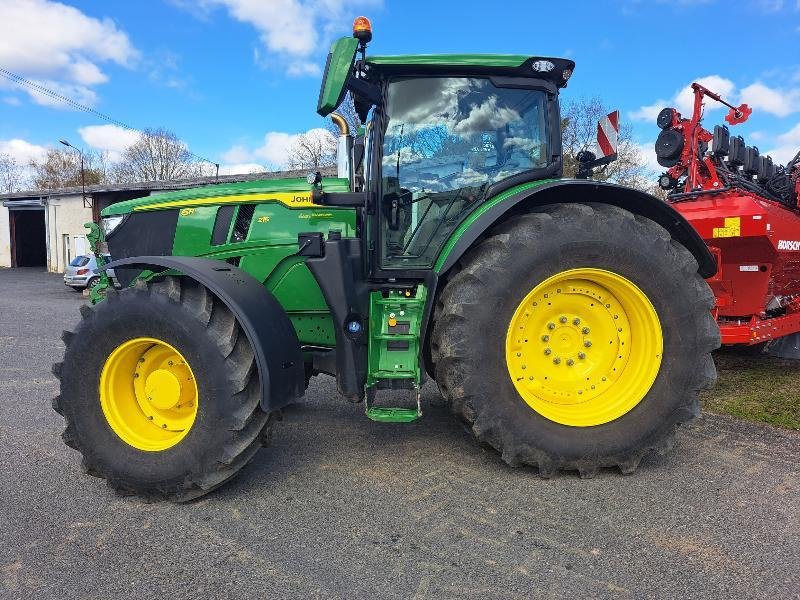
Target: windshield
[[79, 261], [447, 140]]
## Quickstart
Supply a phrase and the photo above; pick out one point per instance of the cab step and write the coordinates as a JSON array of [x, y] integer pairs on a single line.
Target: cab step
[[392, 414]]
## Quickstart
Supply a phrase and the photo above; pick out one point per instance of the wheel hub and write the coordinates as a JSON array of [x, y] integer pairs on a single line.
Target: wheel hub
[[148, 394], [569, 347]]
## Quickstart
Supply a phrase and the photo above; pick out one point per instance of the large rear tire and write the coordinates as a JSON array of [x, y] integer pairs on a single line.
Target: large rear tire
[[160, 392], [575, 337]]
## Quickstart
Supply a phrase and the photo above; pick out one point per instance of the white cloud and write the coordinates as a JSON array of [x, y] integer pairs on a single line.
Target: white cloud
[[760, 97], [22, 151], [241, 168], [12, 100], [649, 112], [300, 68], [275, 148], [292, 29], [772, 100], [647, 151], [59, 46], [273, 152], [109, 138], [683, 99], [788, 145], [78, 93]]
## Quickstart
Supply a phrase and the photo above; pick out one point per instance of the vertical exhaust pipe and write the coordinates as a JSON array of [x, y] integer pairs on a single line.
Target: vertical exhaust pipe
[[344, 149]]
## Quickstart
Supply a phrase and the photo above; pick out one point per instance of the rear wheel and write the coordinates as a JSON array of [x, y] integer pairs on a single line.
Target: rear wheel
[[160, 392], [576, 337]]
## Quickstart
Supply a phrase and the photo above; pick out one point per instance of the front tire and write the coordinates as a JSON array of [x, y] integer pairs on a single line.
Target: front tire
[[160, 392], [514, 328]]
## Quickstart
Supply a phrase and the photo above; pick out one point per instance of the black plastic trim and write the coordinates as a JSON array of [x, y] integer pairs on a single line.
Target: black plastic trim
[[222, 224], [357, 199], [265, 323], [338, 274], [146, 233]]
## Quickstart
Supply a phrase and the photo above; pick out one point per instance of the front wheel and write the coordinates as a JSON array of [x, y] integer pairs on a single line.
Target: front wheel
[[576, 337], [160, 392]]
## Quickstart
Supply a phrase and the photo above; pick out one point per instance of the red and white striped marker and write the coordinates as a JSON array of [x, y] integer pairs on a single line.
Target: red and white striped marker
[[608, 135]]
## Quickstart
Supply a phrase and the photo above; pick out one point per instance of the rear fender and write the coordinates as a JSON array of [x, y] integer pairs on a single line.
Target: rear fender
[[570, 191], [267, 326]]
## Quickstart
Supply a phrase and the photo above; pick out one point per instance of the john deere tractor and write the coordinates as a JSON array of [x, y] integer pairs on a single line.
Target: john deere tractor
[[566, 322]]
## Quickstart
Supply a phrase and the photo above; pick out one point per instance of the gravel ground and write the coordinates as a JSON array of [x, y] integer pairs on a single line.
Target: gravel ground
[[340, 507]]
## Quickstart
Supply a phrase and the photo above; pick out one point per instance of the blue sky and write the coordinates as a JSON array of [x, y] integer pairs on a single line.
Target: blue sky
[[236, 79]]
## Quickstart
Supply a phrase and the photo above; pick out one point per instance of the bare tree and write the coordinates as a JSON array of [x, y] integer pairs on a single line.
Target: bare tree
[[579, 132], [11, 175], [62, 168], [158, 155], [312, 150]]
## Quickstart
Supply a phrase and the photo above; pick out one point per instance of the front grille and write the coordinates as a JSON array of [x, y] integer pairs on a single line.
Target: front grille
[[244, 217]]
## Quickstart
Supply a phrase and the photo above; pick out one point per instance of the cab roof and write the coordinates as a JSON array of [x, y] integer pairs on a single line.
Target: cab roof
[[557, 70]]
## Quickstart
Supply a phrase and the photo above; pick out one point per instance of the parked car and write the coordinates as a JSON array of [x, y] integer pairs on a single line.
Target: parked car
[[82, 272]]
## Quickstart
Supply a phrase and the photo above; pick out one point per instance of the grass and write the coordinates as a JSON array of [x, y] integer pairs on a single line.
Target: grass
[[756, 388]]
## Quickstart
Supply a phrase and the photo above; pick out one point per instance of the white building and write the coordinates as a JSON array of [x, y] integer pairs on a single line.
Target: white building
[[45, 229]]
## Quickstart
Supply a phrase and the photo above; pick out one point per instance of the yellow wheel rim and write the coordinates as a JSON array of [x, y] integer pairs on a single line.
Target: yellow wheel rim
[[148, 394], [584, 347]]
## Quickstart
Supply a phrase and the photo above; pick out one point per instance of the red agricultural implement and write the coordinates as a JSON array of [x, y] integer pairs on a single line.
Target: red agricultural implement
[[745, 207]]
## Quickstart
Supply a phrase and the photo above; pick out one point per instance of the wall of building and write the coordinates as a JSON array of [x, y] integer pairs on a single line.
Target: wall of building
[[65, 216], [5, 238]]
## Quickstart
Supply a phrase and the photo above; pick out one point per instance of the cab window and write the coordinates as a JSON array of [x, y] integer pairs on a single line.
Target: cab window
[[448, 139]]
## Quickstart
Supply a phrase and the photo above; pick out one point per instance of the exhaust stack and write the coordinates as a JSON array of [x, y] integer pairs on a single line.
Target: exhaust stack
[[344, 149]]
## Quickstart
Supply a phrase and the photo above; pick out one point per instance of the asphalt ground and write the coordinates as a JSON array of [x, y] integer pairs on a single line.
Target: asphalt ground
[[340, 507]]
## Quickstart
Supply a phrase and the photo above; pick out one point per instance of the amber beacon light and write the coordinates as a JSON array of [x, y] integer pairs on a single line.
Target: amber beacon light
[[362, 30]]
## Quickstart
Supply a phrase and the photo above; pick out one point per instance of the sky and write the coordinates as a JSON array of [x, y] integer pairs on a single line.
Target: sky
[[237, 79]]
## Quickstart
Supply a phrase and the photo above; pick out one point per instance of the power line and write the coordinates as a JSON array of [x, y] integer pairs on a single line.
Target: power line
[[19, 80]]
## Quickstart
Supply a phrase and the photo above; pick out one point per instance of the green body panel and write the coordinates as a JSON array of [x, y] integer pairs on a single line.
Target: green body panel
[[261, 186], [455, 60], [476, 214], [337, 71], [385, 363], [268, 252]]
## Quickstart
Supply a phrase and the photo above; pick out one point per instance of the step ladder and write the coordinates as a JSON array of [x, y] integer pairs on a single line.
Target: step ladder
[[394, 346]]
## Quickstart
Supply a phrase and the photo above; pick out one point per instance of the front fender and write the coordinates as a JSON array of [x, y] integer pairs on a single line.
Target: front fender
[[563, 191], [276, 348]]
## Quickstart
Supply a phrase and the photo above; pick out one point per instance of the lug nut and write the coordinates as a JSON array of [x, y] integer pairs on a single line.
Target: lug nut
[[556, 361], [585, 330], [581, 355], [551, 326], [519, 353], [570, 362], [576, 321], [547, 351], [545, 338], [587, 343], [563, 319]]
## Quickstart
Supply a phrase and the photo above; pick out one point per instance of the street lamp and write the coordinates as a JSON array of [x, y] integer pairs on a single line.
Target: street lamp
[[83, 172]]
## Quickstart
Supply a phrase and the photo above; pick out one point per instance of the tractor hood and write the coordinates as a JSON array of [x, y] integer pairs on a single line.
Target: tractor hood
[[263, 186]]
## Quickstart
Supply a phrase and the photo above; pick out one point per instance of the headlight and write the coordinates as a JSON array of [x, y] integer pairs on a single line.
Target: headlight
[[109, 224]]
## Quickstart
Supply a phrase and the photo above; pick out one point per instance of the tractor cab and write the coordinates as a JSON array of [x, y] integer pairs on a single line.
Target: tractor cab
[[443, 134]]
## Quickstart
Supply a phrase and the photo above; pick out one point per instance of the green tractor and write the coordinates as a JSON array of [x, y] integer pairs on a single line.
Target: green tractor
[[566, 322]]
